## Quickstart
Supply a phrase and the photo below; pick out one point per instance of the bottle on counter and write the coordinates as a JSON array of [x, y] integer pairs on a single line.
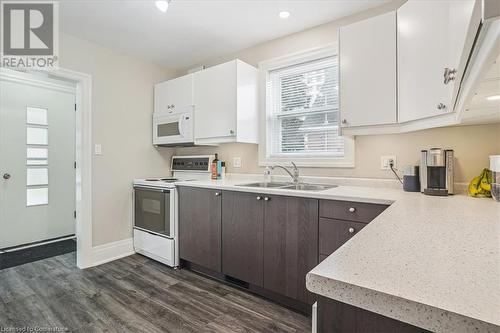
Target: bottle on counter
[[219, 169], [213, 168], [223, 170]]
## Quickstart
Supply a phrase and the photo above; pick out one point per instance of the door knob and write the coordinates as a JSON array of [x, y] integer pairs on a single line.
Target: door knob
[[6, 176], [267, 198], [352, 209], [259, 198], [351, 230]]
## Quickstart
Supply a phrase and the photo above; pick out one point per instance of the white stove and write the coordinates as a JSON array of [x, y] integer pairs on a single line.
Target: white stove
[[156, 220]]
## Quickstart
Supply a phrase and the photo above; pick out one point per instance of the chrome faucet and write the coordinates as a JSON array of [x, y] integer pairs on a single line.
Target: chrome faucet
[[295, 174]]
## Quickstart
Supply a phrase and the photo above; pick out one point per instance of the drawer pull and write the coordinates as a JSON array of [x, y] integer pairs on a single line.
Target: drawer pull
[[352, 209], [351, 230]]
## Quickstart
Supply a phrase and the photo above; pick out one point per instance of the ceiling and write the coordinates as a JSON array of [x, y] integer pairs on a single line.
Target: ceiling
[[195, 30]]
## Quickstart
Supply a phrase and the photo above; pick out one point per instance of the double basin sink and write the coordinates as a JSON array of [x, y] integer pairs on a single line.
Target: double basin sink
[[290, 186]]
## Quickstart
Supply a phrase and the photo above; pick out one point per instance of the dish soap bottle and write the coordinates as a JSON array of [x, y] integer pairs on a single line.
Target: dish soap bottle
[[213, 167]]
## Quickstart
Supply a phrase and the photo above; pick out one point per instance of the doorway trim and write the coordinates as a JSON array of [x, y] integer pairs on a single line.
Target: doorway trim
[[83, 156]]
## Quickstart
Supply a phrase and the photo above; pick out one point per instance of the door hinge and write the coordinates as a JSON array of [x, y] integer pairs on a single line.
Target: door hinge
[[74, 214], [75, 164], [75, 106]]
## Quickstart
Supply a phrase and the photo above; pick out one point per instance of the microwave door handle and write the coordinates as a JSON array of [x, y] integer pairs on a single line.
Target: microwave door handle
[[181, 125]]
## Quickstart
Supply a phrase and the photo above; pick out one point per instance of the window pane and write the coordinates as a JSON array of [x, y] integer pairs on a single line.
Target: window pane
[[37, 162], [37, 176], [36, 116], [37, 136], [303, 102], [37, 153], [37, 196]]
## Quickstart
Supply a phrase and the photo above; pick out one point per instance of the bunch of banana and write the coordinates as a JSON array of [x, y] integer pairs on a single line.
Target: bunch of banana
[[481, 185]]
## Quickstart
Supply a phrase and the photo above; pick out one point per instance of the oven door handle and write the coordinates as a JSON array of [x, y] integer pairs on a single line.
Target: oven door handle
[[151, 189]]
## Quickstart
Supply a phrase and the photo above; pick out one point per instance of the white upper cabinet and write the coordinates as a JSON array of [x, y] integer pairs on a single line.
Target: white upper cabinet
[[174, 95], [225, 99], [368, 86], [431, 37]]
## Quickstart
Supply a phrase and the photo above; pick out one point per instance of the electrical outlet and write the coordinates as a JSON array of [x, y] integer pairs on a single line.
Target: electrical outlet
[[236, 162], [385, 162]]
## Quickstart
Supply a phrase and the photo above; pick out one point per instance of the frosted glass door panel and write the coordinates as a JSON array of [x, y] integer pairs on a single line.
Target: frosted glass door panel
[[36, 116], [37, 196], [37, 136], [35, 153], [37, 176]]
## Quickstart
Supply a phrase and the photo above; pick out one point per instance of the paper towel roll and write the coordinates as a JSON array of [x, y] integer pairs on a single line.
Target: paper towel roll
[[495, 163]]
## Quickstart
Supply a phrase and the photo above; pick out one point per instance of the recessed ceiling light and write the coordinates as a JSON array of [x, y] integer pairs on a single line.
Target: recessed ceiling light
[[284, 14], [493, 98], [162, 5]]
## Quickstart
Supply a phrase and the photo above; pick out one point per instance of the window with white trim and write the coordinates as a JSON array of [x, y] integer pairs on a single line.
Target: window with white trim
[[302, 112]]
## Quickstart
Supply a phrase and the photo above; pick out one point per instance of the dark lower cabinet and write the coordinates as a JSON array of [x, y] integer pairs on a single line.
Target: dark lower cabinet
[[334, 233], [200, 226], [268, 244], [242, 236], [290, 245], [337, 317]]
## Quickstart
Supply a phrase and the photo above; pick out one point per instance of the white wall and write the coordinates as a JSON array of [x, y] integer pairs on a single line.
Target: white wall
[[122, 104]]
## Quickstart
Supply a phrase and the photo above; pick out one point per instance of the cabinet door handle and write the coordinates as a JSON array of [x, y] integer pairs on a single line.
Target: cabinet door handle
[[217, 194], [344, 121], [259, 198], [351, 230], [449, 75], [231, 131], [267, 199], [352, 209], [441, 106]]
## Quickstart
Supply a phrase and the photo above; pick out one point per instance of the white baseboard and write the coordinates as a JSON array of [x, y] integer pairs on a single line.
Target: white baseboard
[[112, 251]]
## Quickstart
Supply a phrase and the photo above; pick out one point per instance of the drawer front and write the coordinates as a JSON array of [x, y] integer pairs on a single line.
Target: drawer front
[[156, 247], [350, 211], [334, 233]]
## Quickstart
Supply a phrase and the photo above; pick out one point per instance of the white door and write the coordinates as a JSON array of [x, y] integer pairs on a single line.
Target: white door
[[174, 95], [215, 90], [37, 154], [368, 71], [431, 37]]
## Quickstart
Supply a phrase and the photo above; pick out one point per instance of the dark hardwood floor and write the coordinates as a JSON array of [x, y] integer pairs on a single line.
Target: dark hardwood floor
[[134, 294]]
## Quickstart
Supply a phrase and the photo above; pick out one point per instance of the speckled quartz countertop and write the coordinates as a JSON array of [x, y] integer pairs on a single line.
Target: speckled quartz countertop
[[433, 262]]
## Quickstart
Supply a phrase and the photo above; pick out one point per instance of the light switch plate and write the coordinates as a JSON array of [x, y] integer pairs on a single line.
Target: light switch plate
[[97, 149], [385, 162], [236, 162]]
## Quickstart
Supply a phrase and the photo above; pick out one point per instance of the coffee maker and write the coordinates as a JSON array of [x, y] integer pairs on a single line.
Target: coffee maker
[[436, 172]]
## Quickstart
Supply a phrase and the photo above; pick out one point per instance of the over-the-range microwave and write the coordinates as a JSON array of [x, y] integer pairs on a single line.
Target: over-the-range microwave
[[174, 129]]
